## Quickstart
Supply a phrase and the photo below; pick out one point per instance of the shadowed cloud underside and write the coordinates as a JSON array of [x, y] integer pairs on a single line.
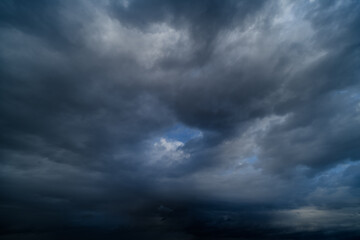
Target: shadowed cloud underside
[[179, 119]]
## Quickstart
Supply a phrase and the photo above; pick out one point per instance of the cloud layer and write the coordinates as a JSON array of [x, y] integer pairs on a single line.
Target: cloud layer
[[179, 119]]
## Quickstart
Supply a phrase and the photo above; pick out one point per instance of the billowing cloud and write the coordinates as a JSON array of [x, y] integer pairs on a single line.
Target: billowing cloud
[[179, 119]]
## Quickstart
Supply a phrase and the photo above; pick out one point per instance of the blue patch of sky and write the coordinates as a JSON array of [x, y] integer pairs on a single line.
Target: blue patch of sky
[[251, 159], [337, 172], [182, 133]]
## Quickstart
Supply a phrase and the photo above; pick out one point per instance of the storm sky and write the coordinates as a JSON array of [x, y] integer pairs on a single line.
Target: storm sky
[[155, 119]]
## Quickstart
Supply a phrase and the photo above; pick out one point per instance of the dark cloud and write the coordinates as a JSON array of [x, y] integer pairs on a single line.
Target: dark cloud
[[179, 119]]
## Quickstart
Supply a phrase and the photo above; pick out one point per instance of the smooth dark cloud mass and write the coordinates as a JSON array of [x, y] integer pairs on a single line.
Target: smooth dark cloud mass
[[136, 119]]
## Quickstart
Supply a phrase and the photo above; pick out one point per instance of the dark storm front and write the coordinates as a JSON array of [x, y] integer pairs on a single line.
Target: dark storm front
[[179, 119]]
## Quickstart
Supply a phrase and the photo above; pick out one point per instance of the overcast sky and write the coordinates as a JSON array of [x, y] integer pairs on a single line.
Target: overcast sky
[[183, 120]]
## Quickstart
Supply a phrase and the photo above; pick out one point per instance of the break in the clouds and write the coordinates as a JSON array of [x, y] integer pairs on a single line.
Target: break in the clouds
[[180, 119]]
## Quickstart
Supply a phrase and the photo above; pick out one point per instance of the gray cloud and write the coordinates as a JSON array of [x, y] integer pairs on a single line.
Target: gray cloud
[[264, 97]]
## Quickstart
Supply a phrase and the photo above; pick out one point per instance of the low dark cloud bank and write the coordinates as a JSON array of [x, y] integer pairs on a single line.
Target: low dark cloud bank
[[179, 119]]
